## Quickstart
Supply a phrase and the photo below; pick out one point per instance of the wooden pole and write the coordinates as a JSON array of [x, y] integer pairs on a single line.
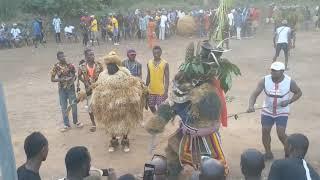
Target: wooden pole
[[7, 160]]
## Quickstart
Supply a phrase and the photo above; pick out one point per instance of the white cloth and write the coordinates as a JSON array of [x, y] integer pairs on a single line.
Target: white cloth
[[239, 33], [305, 165], [162, 33], [163, 20], [283, 34], [275, 94], [56, 22], [15, 32], [231, 19], [69, 29]]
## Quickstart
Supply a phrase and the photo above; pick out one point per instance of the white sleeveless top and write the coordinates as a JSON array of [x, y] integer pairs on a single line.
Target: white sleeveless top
[[275, 94]]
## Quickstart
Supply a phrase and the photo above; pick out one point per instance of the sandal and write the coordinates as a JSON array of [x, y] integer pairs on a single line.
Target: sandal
[[93, 128], [64, 129]]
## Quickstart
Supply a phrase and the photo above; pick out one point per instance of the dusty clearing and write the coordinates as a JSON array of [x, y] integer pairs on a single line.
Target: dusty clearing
[[32, 102]]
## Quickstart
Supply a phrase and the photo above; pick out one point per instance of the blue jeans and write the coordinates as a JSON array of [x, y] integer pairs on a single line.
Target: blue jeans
[[65, 95]]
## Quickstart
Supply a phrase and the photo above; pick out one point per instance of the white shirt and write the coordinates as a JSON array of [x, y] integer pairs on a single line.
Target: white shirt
[[69, 29], [275, 94], [15, 32], [283, 33], [230, 17], [56, 22], [163, 21]]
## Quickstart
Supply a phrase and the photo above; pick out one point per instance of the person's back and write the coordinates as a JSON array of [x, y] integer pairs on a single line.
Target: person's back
[[36, 149], [294, 167], [291, 169], [252, 164]]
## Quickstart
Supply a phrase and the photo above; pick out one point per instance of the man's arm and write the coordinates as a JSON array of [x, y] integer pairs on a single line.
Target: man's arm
[[140, 70], [166, 79], [295, 89], [254, 96], [148, 76]]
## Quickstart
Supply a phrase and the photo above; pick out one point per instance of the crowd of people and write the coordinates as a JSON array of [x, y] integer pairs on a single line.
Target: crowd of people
[[78, 164], [152, 25]]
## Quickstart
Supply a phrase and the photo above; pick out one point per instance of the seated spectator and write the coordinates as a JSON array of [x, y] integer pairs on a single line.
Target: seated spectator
[[294, 167], [252, 164], [36, 149], [78, 165], [210, 169], [69, 32]]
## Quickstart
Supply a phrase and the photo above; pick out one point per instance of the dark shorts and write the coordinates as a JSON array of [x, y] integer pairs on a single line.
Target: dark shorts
[[284, 47], [268, 121]]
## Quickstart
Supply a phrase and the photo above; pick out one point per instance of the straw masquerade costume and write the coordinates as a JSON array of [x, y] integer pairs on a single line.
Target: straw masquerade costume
[[118, 99], [198, 98]]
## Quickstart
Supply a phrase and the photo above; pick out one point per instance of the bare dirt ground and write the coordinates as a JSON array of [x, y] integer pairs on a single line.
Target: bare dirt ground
[[32, 102]]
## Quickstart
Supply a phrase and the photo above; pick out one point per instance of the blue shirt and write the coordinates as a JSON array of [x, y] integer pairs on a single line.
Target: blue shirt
[[36, 28]]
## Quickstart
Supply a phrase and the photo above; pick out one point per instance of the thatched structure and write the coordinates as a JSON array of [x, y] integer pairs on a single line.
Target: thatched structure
[[186, 26], [118, 101]]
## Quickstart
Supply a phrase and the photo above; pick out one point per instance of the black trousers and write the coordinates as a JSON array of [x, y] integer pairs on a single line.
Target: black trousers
[[58, 38]]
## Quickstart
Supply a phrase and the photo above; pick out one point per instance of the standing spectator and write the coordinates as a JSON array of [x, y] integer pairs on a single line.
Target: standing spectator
[[103, 27], [15, 35], [120, 22], [142, 26], [37, 33], [157, 79], [162, 28], [294, 167], [127, 27], [132, 64], [36, 148], [238, 23], [56, 23], [317, 18], [4, 41], [94, 30], [66, 74], [201, 24], [231, 22], [85, 22], [151, 32], [282, 41], [252, 164], [307, 18], [115, 25], [88, 74], [255, 19]]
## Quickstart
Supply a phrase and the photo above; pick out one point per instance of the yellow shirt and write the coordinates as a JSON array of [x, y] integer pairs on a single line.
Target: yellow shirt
[[94, 26], [115, 23], [110, 28], [156, 85]]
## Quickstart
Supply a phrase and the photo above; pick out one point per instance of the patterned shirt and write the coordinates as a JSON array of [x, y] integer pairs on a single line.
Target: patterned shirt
[[84, 71], [64, 71], [134, 67]]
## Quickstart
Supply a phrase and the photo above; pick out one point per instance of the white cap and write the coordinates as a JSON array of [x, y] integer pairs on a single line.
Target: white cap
[[277, 66]]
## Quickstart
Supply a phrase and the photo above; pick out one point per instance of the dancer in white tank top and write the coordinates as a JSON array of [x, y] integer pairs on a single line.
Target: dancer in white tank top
[[278, 88]]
